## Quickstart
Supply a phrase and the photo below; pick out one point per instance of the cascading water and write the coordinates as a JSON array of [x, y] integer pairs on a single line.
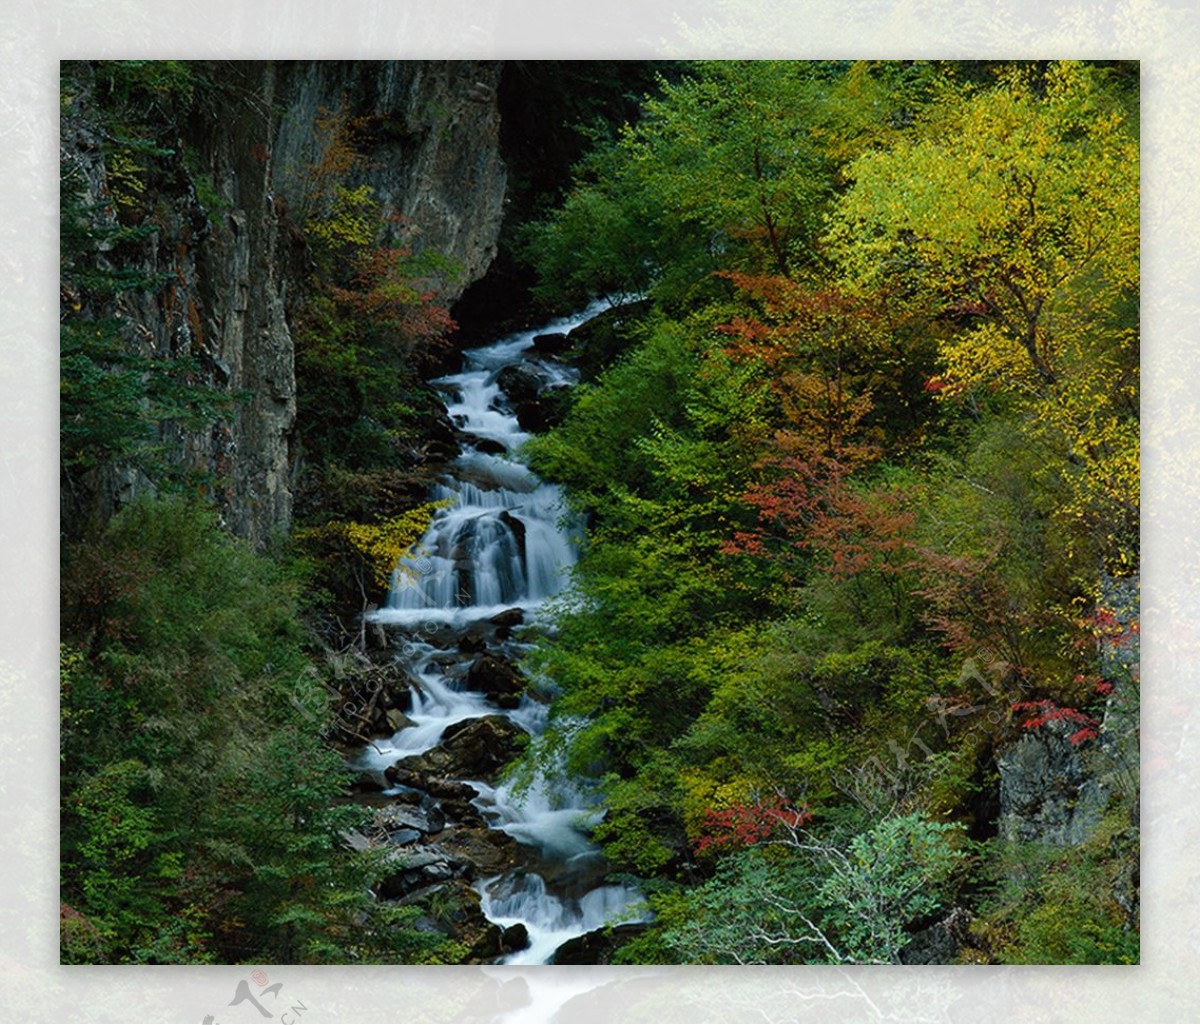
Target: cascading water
[[501, 541]]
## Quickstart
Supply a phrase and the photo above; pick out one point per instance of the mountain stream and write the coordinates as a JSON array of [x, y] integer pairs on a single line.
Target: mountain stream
[[502, 541]]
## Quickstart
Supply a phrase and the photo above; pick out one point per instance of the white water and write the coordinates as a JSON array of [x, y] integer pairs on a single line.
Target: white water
[[552, 920], [499, 542], [502, 541]]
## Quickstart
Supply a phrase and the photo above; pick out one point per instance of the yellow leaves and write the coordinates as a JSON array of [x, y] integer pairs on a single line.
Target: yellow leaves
[[1011, 195], [350, 219], [987, 356], [336, 215], [124, 178], [381, 545], [1014, 220], [712, 790]]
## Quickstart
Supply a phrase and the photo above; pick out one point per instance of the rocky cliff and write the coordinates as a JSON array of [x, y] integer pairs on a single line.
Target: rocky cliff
[[429, 135], [217, 194]]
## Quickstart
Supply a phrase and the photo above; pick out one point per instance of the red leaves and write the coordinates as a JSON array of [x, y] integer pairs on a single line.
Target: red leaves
[[387, 292], [968, 604], [1044, 712], [792, 495], [865, 532], [819, 345], [1108, 628], [744, 825]]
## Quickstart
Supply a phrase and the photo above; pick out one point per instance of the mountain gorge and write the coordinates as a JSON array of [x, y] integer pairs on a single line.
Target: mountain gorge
[[649, 512]]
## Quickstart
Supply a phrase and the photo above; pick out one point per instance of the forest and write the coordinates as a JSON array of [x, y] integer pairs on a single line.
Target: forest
[[844, 669]]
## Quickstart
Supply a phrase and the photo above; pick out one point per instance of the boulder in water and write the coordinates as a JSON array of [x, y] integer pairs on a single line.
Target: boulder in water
[[489, 446], [514, 938], [536, 395], [472, 643], [396, 720], [498, 679], [454, 798], [471, 749], [403, 818], [599, 342], [367, 782], [596, 947], [545, 411], [509, 618], [520, 382], [551, 343], [491, 851]]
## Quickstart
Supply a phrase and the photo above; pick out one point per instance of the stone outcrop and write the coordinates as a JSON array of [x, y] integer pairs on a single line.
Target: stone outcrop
[[1054, 791], [596, 947], [537, 400], [1047, 794], [940, 942], [497, 679], [413, 869], [1056, 786]]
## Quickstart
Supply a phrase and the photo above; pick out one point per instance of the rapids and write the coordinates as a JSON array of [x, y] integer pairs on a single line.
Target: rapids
[[502, 540]]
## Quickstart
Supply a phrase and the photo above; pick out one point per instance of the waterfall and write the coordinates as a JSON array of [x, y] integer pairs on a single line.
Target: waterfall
[[502, 540]]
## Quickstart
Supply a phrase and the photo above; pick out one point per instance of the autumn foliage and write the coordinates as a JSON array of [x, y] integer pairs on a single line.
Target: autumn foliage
[[743, 825]]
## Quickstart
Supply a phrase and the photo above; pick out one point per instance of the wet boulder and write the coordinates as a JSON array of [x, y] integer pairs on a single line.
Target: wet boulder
[[551, 343], [497, 679], [454, 798], [368, 782], [514, 938], [395, 720], [472, 749], [412, 868], [537, 396], [508, 618], [521, 382], [596, 947], [491, 851], [424, 819], [489, 446], [547, 410], [469, 926], [600, 342]]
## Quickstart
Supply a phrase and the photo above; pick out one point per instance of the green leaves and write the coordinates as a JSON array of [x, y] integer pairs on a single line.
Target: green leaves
[[1014, 215], [721, 172], [200, 820], [116, 402], [806, 899]]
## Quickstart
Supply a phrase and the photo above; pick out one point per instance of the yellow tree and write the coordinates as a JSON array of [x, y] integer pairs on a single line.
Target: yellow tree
[[1013, 213]]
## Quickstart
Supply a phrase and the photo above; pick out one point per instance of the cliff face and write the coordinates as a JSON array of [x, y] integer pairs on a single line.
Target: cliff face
[[429, 133], [225, 242]]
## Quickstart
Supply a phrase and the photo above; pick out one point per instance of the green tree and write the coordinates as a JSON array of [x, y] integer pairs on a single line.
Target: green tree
[[115, 401], [804, 899], [199, 806], [719, 172]]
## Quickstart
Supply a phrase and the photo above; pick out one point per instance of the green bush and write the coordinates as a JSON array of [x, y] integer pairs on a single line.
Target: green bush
[[199, 812]]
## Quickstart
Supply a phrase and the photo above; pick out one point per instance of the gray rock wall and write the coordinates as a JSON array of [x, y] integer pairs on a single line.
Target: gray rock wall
[[431, 135], [1047, 792], [1054, 791], [224, 236]]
